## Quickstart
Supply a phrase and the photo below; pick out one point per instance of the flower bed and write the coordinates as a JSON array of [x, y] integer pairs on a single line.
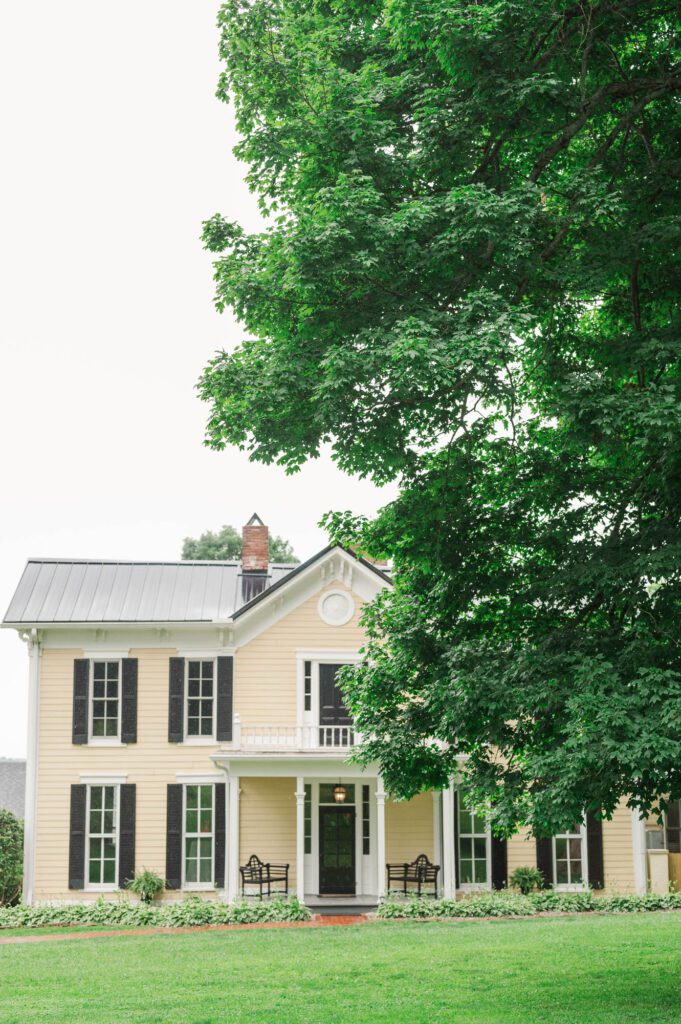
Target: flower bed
[[124, 911], [509, 904]]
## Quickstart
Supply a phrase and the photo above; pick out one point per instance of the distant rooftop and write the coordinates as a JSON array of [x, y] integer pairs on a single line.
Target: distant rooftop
[[12, 785], [53, 590]]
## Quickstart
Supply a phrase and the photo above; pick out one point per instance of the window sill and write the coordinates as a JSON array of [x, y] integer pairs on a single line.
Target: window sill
[[199, 741], [105, 741], [199, 887], [570, 888], [101, 888]]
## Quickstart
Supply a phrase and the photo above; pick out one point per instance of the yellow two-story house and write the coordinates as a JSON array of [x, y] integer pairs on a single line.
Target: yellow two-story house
[[184, 716]]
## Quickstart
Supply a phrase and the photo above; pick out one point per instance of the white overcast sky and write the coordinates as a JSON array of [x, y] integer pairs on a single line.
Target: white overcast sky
[[114, 149]]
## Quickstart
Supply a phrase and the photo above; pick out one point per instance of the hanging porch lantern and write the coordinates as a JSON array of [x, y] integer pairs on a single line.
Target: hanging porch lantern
[[339, 794]]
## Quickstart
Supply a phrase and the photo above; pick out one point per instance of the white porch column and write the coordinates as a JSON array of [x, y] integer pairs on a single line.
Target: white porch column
[[638, 837], [380, 838], [300, 838], [31, 764], [448, 859], [233, 839]]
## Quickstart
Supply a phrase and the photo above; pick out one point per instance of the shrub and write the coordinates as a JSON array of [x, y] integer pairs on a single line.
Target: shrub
[[123, 911], [11, 858], [526, 879], [146, 885], [507, 904]]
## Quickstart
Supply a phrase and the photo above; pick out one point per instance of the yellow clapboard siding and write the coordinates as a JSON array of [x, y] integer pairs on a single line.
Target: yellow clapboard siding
[[409, 828], [267, 822]]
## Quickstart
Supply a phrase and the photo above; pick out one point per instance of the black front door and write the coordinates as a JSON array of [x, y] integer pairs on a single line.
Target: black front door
[[337, 850]]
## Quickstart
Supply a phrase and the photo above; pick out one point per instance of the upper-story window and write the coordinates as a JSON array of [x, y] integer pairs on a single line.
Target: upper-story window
[[200, 714], [105, 704]]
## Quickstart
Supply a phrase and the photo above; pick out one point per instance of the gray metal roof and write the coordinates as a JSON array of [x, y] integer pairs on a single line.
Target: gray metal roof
[[72, 590], [12, 785]]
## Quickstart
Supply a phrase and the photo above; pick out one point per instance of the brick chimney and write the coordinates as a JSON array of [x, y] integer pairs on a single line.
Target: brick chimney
[[255, 551]]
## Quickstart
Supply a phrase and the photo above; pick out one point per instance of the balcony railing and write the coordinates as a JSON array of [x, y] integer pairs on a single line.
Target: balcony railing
[[254, 738]]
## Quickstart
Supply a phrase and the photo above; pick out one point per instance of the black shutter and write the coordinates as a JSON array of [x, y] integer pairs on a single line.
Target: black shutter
[[545, 859], [174, 837], [81, 688], [176, 701], [77, 837], [499, 862], [457, 873], [225, 699], [594, 848], [126, 834], [220, 834], [129, 701]]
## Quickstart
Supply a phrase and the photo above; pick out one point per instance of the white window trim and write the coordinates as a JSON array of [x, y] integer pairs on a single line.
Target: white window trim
[[200, 741], [103, 778], [197, 886], [105, 741], [572, 886], [102, 886], [473, 886]]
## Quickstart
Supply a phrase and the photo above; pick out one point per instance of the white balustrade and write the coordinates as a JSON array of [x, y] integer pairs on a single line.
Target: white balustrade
[[293, 737]]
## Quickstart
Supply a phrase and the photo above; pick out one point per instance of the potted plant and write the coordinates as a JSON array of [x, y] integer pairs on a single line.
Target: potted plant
[[527, 879], [146, 885]]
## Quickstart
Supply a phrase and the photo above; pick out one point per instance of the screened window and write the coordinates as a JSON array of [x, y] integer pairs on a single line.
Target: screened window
[[106, 677], [366, 838], [198, 835], [473, 836], [307, 815], [102, 813], [568, 850], [200, 684], [674, 827]]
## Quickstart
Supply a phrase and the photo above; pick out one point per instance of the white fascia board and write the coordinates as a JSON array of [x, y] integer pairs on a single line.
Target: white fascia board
[[335, 567], [291, 765]]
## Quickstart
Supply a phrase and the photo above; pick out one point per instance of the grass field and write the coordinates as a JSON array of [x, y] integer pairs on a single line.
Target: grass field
[[581, 970]]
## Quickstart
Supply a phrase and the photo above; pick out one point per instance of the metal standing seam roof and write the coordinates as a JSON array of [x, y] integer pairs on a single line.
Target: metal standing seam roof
[[73, 590]]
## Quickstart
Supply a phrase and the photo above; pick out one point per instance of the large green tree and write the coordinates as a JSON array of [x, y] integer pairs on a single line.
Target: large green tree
[[469, 283], [225, 546]]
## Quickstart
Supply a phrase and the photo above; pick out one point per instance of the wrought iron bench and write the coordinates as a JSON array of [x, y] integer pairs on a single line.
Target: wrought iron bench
[[421, 873], [256, 873]]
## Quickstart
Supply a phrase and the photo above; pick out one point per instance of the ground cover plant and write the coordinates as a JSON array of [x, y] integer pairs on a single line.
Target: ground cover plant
[[594, 970], [124, 911], [510, 904]]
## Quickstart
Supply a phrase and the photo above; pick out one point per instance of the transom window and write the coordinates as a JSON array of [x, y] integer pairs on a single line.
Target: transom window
[[200, 701], [106, 678], [473, 836], [568, 848], [102, 846], [198, 835]]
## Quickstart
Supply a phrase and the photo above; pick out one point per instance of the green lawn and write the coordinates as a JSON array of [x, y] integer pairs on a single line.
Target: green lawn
[[573, 969]]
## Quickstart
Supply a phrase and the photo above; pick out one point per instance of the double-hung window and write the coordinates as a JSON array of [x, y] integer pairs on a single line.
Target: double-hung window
[[105, 705], [199, 836], [568, 857], [200, 712], [102, 845], [473, 845]]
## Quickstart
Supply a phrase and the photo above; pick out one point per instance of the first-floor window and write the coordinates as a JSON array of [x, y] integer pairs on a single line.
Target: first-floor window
[[473, 836], [568, 848], [198, 835], [102, 820]]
